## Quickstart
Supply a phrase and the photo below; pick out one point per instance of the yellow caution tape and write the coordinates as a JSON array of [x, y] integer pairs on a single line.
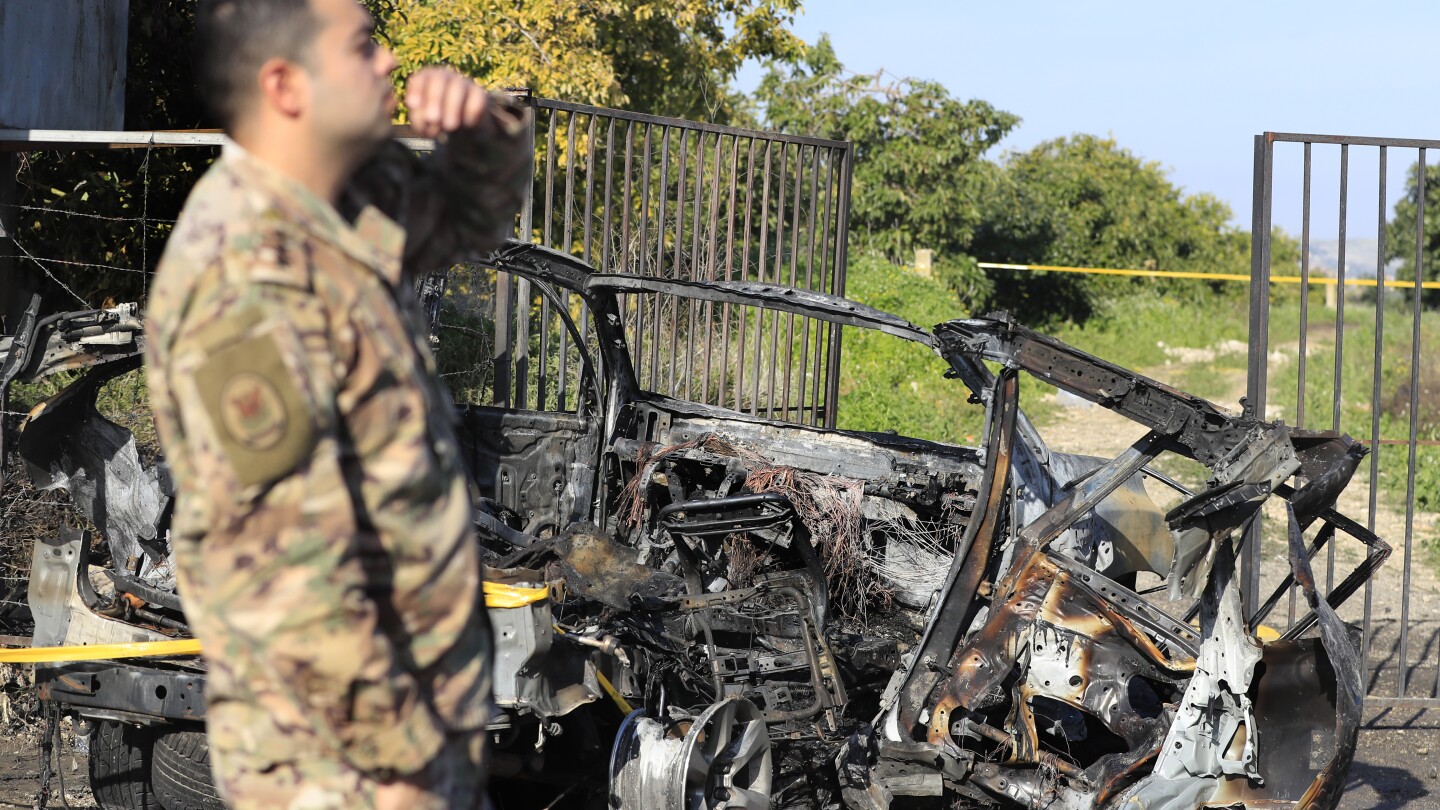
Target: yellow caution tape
[[1111, 271], [99, 652], [496, 596], [614, 693], [512, 596]]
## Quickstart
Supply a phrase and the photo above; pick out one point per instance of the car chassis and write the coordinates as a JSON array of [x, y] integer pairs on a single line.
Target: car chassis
[[696, 607]]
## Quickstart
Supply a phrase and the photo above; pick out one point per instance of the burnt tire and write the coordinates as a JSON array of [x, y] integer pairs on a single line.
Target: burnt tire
[[120, 758], [181, 771]]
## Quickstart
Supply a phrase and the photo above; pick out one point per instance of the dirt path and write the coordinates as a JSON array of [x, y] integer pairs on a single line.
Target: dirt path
[[1399, 748]]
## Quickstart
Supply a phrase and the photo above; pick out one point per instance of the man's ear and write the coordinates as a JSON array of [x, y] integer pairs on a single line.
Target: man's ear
[[284, 87]]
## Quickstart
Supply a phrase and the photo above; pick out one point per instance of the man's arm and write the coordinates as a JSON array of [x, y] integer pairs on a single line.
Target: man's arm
[[461, 200]]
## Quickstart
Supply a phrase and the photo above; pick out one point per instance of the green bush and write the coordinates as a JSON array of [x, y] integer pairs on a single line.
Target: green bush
[[891, 384]]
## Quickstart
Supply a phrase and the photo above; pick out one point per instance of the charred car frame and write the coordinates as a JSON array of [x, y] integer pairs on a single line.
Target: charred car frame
[[700, 608]]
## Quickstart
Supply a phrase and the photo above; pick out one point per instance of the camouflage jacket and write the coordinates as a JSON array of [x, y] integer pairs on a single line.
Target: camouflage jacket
[[322, 531]]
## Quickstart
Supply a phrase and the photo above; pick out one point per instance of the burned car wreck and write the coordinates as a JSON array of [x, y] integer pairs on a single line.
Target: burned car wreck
[[701, 608]]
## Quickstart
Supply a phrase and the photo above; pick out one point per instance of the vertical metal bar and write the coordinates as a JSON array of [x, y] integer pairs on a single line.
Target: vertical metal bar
[[711, 270], [779, 269], [1414, 424], [794, 257], [567, 239], [1339, 329], [543, 367], [809, 280], [759, 313], [675, 262], [607, 223], [729, 268], [642, 248], [1304, 327], [1259, 338], [1377, 366], [584, 324], [503, 356], [842, 253], [745, 275], [660, 242], [517, 308], [658, 300], [626, 196], [697, 271], [822, 327], [1304, 300]]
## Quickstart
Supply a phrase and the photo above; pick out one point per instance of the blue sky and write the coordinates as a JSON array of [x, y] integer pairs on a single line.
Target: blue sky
[[1185, 84]]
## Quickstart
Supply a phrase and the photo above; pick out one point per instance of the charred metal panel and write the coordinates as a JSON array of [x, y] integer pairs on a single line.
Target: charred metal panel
[[107, 689]]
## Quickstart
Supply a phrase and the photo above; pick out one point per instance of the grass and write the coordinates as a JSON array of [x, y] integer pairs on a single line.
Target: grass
[[888, 384], [892, 384]]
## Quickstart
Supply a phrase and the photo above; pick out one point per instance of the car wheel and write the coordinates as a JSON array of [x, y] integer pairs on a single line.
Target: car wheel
[[120, 757], [181, 771]]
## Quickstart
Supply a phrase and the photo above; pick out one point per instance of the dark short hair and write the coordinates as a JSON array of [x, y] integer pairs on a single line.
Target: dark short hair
[[233, 38]]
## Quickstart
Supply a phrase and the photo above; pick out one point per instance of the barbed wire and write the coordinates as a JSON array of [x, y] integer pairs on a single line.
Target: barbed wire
[[41, 261], [46, 270], [156, 222]]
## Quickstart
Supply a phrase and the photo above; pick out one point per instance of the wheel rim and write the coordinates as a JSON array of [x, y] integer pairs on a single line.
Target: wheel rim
[[725, 759], [722, 761]]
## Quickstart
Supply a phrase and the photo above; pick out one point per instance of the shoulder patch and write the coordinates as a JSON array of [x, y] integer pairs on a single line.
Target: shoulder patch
[[256, 407]]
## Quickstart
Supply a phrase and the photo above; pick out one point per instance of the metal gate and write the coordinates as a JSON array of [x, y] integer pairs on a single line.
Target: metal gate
[[627, 193], [1361, 370], [666, 197]]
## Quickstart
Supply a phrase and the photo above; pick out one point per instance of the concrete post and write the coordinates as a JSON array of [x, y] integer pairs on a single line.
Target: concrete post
[[924, 261]]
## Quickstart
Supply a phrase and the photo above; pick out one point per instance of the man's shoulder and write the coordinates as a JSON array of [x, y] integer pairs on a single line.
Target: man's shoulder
[[232, 225]]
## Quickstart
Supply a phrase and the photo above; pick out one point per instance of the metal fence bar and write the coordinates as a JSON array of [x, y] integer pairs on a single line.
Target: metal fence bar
[[1375, 398], [1338, 384], [543, 369], [729, 266], [744, 274], [1259, 340], [837, 285], [760, 314], [695, 243], [567, 237], [675, 261], [1403, 683], [1403, 659], [779, 268], [822, 329], [641, 246], [711, 257], [809, 284], [794, 257]]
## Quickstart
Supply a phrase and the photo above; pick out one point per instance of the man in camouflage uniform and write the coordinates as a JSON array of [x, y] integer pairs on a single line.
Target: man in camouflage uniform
[[322, 532]]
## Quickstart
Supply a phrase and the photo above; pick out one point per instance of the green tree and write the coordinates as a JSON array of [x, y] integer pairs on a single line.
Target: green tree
[[666, 57], [1400, 232], [1085, 201], [919, 178]]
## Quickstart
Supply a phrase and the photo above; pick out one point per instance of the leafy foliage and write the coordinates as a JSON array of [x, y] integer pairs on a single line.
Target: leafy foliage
[[1400, 232], [1085, 201], [919, 180], [890, 384], [666, 57]]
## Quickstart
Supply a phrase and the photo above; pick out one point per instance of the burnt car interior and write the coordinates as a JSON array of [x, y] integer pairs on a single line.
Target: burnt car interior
[[701, 608]]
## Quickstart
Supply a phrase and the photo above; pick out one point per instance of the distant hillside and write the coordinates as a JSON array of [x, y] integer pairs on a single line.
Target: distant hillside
[[1359, 257]]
